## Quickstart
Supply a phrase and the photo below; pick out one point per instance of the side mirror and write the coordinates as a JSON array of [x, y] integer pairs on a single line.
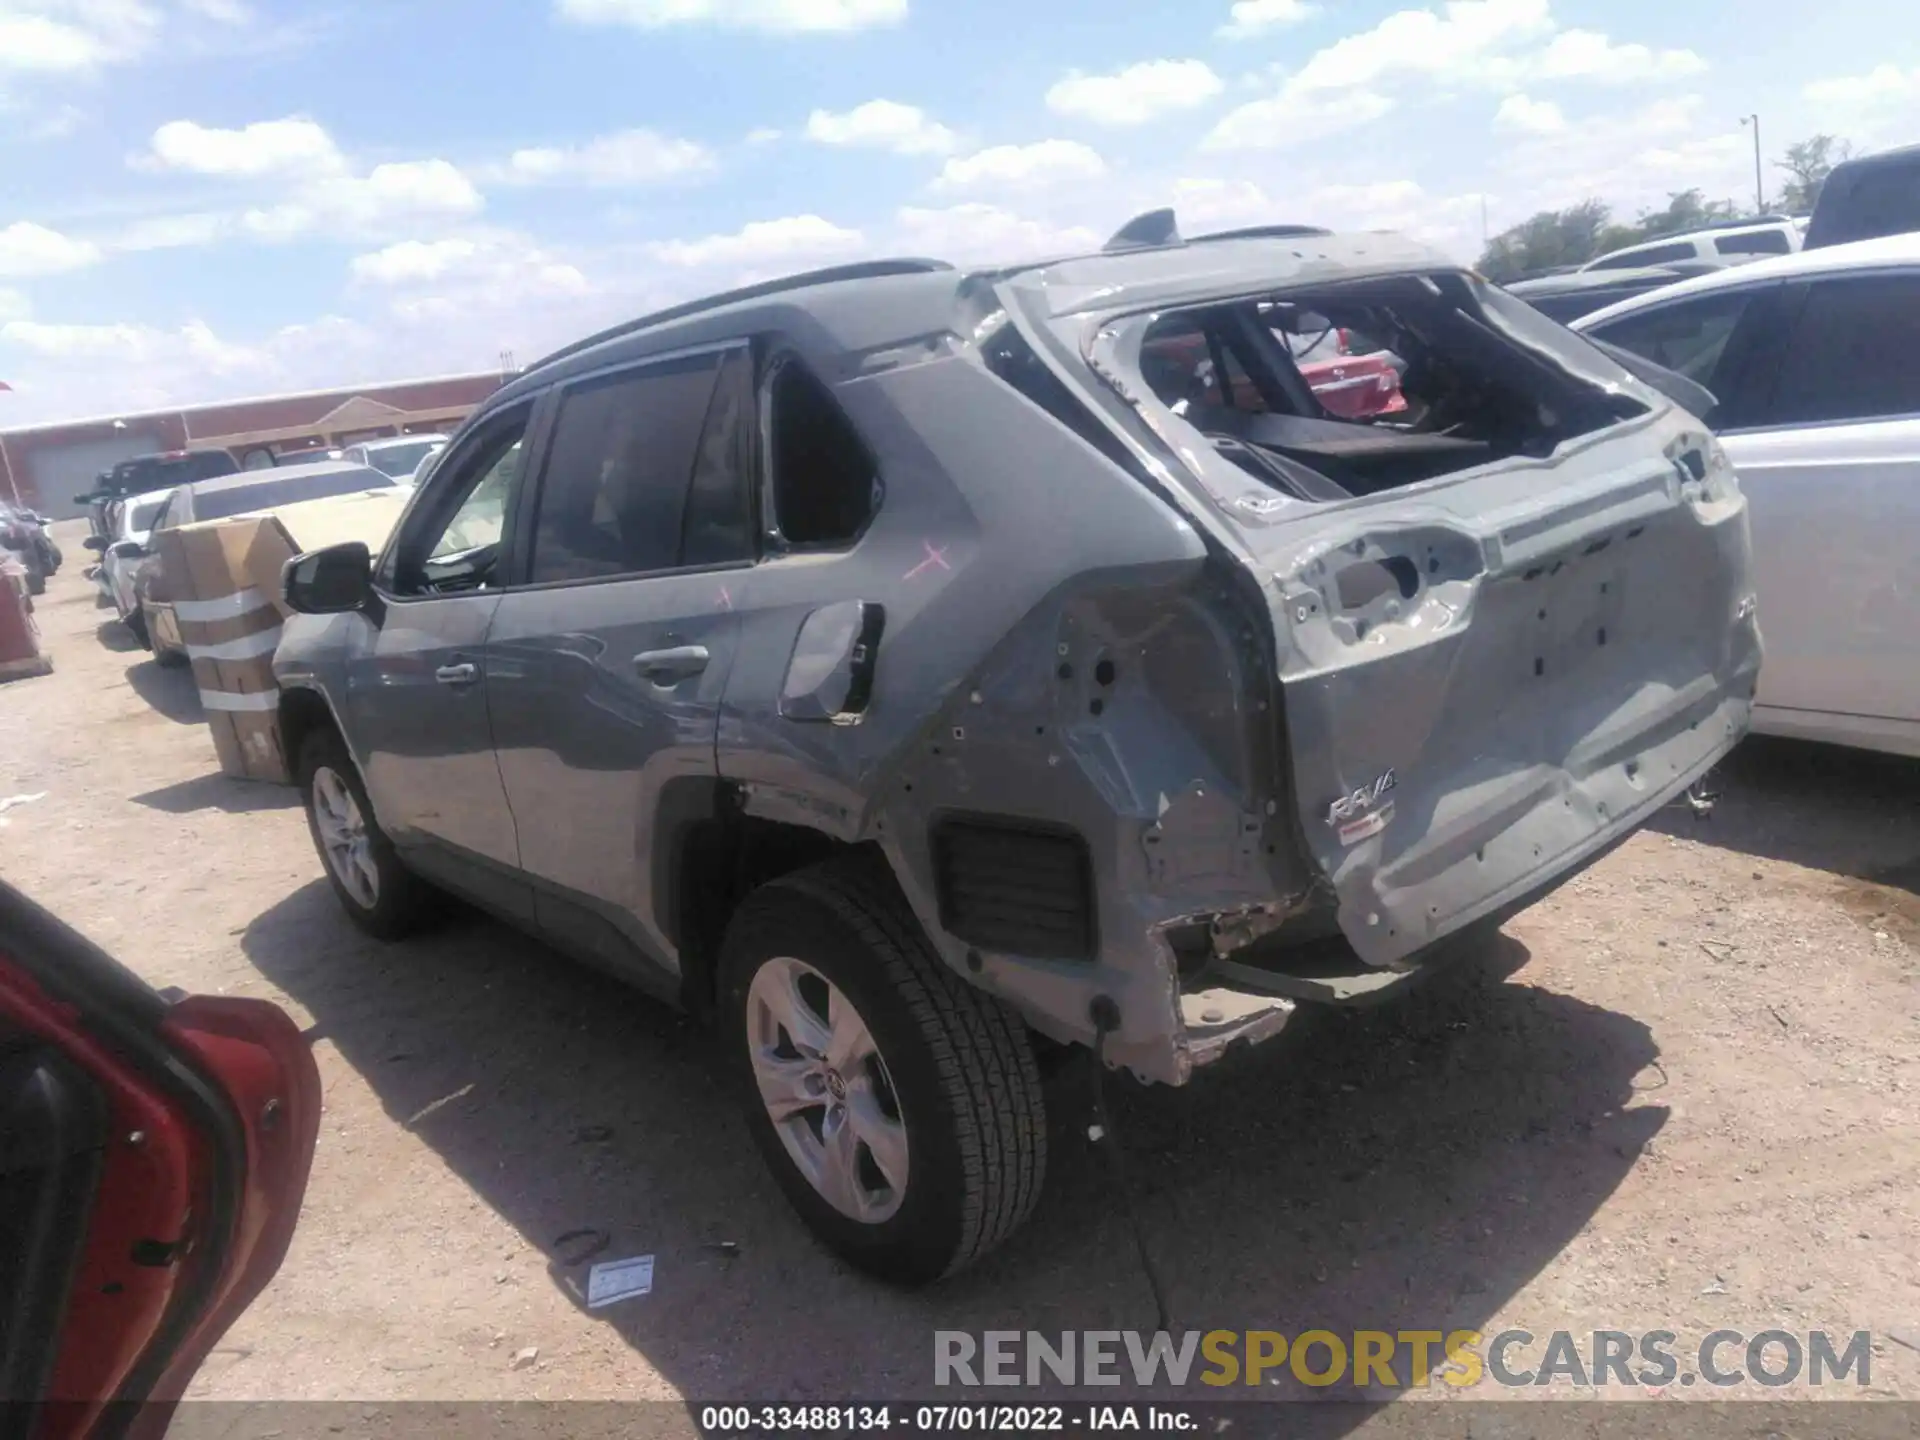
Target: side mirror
[[95, 542], [333, 581], [124, 549]]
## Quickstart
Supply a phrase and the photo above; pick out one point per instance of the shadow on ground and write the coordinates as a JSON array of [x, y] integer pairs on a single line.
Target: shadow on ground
[[1853, 813], [1406, 1167], [219, 792], [114, 636], [169, 690]]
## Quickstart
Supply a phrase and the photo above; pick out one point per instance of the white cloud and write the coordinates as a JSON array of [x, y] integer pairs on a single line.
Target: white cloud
[[1532, 117], [27, 249], [762, 242], [1202, 203], [1634, 161], [399, 191], [1136, 94], [1252, 17], [1589, 55], [13, 305], [413, 260], [882, 125], [1021, 167], [1452, 42], [1885, 99], [630, 157], [773, 15], [36, 43], [293, 146], [1293, 118], [975, 233], [173, 232], [134, 344], [226, 12]]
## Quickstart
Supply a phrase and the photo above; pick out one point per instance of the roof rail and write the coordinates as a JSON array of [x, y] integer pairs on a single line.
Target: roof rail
[[1264, 232], [832, 274]]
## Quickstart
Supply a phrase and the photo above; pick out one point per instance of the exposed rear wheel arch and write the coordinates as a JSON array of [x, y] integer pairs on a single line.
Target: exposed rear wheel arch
[[302, 713]]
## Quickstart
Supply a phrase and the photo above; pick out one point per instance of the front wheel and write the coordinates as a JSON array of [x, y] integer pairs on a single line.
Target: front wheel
[[377, 891], [899, 1108]]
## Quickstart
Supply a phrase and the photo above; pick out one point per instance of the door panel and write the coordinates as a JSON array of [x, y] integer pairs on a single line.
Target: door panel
[[1835, 514], [592, 750]]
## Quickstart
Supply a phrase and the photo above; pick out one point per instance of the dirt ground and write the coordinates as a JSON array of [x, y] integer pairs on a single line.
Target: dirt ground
[[1683, 1093]]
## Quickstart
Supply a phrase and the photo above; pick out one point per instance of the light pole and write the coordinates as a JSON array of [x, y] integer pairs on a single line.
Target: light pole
[[1759, 198]]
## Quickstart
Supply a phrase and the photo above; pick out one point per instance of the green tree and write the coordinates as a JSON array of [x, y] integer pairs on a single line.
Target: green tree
[[1549, 240], [1686, 210], [1808, 163]]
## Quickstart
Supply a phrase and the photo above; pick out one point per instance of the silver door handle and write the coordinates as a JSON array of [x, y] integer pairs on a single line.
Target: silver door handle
[[463, 674], [666, 667]]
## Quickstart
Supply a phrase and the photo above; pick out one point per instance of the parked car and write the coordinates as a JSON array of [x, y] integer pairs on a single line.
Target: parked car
[[1733, 239], [24, 533], [1867, 198], [143, 473], [1821, 415], [155, 1157], [1581, 292], [891, 699], [242, 493], [398, 456], [121, 551]]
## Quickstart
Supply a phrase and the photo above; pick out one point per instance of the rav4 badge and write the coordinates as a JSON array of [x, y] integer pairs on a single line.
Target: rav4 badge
[[1363, 813]]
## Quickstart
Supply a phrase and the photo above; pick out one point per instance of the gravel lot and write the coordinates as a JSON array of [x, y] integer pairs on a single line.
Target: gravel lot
[[1682, 1093]]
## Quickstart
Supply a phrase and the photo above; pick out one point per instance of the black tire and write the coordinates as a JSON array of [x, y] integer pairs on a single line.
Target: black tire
[[167, 656], [136, 624], [403, 901], [961, 1069]]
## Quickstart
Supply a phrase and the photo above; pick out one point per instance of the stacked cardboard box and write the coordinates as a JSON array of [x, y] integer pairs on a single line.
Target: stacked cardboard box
[[225, 577]]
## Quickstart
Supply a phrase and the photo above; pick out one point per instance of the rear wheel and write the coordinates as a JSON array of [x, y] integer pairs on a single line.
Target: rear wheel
[[136, 624], [377, 891], [898, 1107]]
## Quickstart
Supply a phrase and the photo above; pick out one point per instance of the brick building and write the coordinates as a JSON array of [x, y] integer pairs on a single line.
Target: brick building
[[45, 466]]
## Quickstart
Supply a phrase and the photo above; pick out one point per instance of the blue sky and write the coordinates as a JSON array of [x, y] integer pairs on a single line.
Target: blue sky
[[209, 198]]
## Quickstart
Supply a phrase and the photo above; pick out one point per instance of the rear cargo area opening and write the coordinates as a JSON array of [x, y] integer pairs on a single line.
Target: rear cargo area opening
[[1478, 381]]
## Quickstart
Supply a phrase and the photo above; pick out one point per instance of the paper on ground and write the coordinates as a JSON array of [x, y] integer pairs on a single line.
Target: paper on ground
[[613, 1280]]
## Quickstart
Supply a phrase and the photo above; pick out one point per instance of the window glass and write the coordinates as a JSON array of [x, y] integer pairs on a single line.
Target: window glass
[[615, 487], [481, 519], [824, 486], [719, 522], [1759, 242], [144, 515], [1850, 355], [1688, 337]]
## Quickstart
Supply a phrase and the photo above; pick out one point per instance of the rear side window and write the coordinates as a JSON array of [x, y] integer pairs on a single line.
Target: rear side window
[[1759, 242], [1848, 355], [719, 528], [615, 489], [1687, 337], [825, 488]]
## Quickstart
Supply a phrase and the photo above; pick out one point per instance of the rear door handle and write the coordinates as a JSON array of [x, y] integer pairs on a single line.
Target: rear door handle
[[668, 667], [461, 674]]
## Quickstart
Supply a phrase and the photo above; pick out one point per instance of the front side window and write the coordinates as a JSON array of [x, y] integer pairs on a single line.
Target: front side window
[[455, 538], [1848, 357], [1687, 336], [614, 494]]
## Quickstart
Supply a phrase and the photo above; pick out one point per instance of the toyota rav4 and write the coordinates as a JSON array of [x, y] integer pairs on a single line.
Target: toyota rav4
[[895, 663]]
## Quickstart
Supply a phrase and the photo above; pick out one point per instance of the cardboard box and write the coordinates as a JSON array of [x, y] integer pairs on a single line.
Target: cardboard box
[[224, 577]]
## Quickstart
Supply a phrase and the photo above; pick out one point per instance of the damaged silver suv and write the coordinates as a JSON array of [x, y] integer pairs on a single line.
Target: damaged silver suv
[[896, 661]]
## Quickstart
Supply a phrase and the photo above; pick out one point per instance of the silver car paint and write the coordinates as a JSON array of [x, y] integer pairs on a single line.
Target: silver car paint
[[1239, 708]]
